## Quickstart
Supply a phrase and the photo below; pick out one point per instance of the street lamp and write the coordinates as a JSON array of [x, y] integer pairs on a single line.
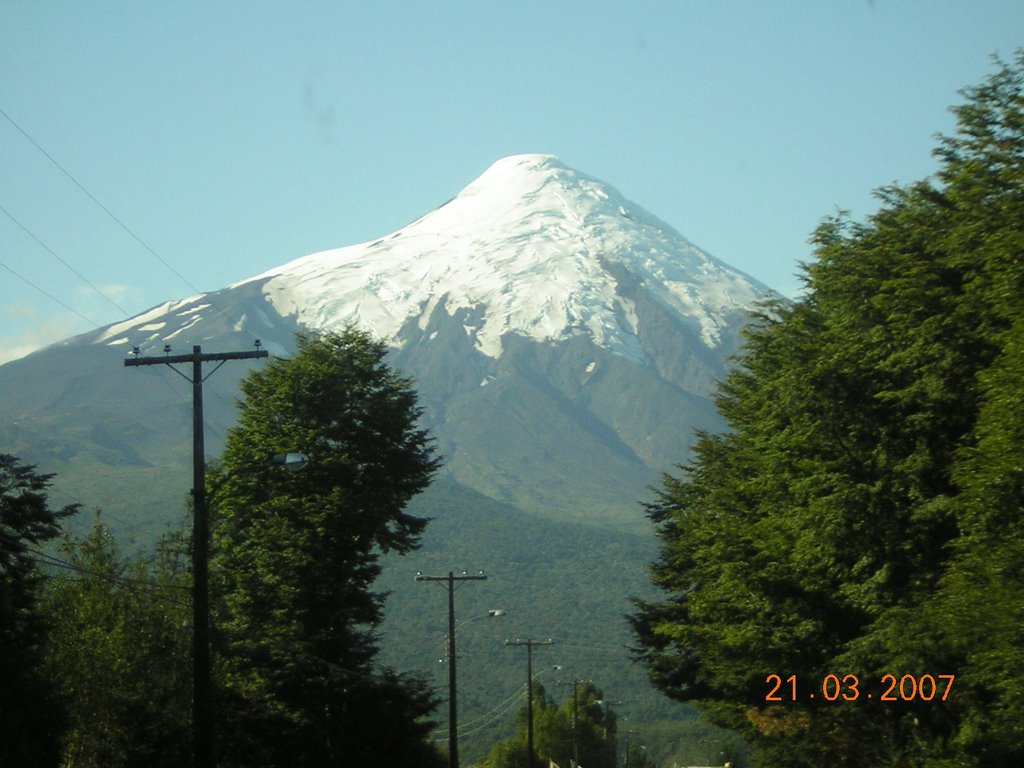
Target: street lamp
[[292, 460], [491, 614]]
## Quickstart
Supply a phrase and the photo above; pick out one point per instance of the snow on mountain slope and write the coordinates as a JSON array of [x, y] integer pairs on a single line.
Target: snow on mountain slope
[[529, 241]]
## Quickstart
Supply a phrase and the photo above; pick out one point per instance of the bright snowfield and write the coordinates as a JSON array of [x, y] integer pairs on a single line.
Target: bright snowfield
[[526, 242]]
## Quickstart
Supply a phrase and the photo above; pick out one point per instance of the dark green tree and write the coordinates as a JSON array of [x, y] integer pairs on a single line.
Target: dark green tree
[[119, 652], [295, 556], [978, 612], [868, 490], [31, 720]]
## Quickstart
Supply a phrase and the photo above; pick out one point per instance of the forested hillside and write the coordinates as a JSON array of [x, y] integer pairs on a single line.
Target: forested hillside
[[856, 535]]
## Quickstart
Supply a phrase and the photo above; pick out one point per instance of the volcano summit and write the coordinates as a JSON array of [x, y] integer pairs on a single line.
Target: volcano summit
[[531, 245]]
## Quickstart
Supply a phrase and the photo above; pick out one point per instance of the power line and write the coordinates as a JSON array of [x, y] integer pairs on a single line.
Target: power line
[[49, 295], [55, 255], [483, 721], [116, 220], [92, 197], [600, 648], [141, 584]]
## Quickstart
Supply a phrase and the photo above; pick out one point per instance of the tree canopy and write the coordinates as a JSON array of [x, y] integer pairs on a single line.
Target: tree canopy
[[118, 652], [31, 719], [295, 556], [862, 515]]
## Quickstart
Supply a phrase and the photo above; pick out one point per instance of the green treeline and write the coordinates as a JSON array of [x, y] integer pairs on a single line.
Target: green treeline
[[862, 515], [119, 652], [31, 718]]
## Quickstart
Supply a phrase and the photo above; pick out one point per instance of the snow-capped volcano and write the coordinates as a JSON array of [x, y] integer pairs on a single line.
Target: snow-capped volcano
[[531, 243], [565, 343]]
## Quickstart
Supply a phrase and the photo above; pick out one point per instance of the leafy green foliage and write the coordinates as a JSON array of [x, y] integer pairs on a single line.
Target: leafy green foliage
[[296, 555], [30, 719], [119, 652], [583, 727], [868, 494]]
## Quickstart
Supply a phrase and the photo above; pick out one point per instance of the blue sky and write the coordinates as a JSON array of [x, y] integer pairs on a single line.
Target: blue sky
[[230, 137]]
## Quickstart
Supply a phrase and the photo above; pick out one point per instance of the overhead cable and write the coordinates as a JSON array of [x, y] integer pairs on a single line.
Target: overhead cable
[[55, 255], [92, 197]]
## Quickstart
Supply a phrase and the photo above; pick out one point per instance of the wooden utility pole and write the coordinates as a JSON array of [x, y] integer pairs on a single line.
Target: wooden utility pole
[[530, 760], [453, 730], [202, 742]]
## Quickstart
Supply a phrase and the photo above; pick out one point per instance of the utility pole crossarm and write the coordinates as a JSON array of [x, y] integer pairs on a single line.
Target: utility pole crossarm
[[451, 576], [196, 357], [517, 641]]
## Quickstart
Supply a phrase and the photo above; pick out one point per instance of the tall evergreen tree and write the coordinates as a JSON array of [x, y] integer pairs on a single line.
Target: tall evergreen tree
[[296, 554], [31, 721], [840, 527]]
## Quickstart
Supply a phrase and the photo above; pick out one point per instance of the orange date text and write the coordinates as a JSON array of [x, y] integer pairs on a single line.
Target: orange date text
[[853, 688]]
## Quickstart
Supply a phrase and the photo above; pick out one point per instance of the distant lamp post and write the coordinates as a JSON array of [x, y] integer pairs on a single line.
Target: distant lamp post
[[491, 614]]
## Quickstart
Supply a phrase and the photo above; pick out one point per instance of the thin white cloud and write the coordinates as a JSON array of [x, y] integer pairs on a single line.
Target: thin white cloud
[[35, 332], [18, 311], [29, 329], [15, 347]]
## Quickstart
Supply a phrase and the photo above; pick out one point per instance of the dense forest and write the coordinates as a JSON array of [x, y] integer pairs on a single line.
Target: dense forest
[[841, 571]]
